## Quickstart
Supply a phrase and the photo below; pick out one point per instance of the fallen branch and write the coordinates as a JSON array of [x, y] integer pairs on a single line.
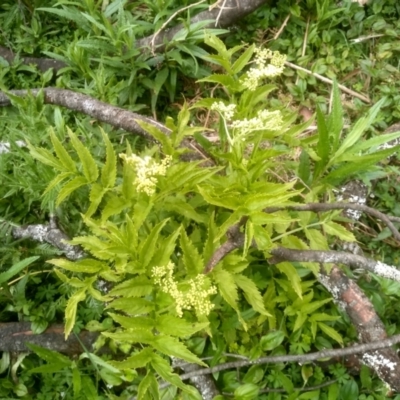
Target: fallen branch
[[318, 207], [301, 358], [337, 257], [15, 335], [349, 297]]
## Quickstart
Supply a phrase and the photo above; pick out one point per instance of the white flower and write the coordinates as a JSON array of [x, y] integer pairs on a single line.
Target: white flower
[[146, 170], [227, 112], [262, 69], [265, 120]]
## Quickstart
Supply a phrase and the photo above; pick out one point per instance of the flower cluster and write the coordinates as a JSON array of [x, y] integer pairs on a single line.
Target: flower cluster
[[226, 111], [146, 170], [195, 297], [265, 120], [264, 70]]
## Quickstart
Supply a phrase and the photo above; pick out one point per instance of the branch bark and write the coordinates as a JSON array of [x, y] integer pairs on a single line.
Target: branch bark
[[15, 335], [232, 11]]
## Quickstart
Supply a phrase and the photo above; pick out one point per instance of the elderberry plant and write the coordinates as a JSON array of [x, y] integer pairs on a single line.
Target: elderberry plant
[[159, 228]]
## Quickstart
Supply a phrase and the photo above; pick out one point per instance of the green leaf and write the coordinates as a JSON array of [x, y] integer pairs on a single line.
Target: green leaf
[[228, 289], [334, 123], [138, 360], [248, 237], [332, 333], [16, 268], [90, 170], [174, 326], [293, 277], [57, 180], [71, 308], [359, 128], [134, 323], [158, 135], [243, 59], [70, 187], [251, 293], [132, 305], [45, 157], [97, 193], [317, 239], [147, 248], [148, 384], [62, 154], [191, 258], [247, 391], [173, 347], [109, 171], [87, 265], [49, 355], [162, 367], [271, 340], [339, 231], [135, 287], [323, 148]]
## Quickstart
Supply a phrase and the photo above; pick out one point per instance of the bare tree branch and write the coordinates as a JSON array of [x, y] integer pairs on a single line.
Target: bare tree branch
[[233, 11], [302, 358], [347, 294], [115, 116], [318, 207], [14, 336], [51, 234], [338, 257], [43, 64]]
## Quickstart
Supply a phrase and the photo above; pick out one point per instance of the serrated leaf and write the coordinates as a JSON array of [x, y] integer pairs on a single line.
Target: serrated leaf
[[146, 250], [174, 326], [87, 265], [293, 277], [133, 323], [136, 336], [109, 171], [148, 384], [357, 131], [251, 293], [248, 237], [317, 239], [49, 355], [173, 347], [96, 195], [339, 231], [70, 187], [158, 135], [191, 258], [57, 180], [45, 157], [132, 305], [271, 340], [332, 333], [65, 159], [71, 308], [243, 59], [168, 246], [226, 286], [89, 167], [138, 360], [162, 367]]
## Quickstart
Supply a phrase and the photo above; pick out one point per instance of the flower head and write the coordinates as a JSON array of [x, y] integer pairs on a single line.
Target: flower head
[[194, 296], [262, 69], [227, 111], [265, 120], [146, 169]]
